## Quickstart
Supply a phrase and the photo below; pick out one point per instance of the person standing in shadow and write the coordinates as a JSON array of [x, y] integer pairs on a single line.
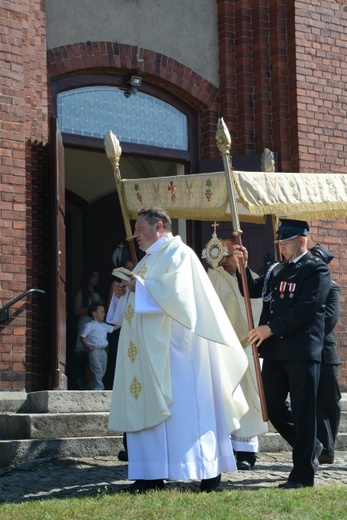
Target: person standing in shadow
[[329, 395], [86, 294]]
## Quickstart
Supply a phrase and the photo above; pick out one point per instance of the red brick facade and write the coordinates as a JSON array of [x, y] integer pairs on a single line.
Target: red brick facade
[[23, 131], [282, 67]]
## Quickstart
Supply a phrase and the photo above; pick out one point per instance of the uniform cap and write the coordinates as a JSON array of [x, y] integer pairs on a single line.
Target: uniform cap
[[322, 253], [289, 229]]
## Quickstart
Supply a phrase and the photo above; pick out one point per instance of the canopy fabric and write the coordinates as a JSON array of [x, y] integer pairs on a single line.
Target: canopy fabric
[[310, 196], [204, 196], [201, 196]]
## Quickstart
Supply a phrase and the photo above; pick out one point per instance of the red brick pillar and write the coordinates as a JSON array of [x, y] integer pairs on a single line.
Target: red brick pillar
[[23, 122]]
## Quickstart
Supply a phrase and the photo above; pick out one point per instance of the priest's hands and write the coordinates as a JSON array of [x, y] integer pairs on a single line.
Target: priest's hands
[[131, 284], [119, 289]]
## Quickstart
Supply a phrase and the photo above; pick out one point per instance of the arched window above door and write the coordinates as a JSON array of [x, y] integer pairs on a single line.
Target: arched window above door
[[139, 118]]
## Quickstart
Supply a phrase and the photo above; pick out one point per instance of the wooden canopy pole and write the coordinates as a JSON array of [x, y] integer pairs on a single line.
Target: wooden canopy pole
[[113, 152], [224, 143]]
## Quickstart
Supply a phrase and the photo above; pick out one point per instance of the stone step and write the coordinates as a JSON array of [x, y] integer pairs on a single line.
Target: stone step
[[273, 442], [68, 401], [48, 425], [60, 424], [13, 452], [342, 426], [12, 401], [93, 424]]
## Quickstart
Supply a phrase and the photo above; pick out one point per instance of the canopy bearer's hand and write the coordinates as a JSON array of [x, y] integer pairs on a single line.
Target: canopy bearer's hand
[[240, 252], [259, 334]]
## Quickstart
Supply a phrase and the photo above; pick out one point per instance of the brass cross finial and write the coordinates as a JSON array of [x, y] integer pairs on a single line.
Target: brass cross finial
[[214, 225]]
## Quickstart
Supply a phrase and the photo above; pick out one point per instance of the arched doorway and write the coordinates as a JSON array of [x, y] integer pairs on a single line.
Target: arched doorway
[[158, 137]]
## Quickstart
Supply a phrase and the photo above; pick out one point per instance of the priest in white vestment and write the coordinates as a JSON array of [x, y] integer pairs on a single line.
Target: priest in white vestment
[[225, 282], [176, 388]]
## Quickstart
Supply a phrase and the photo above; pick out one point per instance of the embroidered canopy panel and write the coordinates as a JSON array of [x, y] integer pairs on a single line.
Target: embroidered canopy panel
[[204, 196]]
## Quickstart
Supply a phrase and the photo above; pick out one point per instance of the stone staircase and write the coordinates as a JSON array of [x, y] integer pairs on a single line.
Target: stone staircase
[[60, 424]]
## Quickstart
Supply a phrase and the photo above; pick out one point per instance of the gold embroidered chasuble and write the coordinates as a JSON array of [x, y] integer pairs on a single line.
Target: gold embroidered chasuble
[[176, 280], [232, 300]]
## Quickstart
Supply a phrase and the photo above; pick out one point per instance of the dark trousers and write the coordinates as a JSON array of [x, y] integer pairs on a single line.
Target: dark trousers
[[328, 407], [294, 421]]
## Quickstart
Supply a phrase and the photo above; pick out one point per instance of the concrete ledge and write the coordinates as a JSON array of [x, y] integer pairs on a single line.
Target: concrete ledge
[[68, 401], [48, 426], [15, 452], [12, 401], [273, 442]]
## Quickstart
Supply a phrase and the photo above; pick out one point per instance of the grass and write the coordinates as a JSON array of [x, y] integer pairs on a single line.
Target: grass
[[318, 503]]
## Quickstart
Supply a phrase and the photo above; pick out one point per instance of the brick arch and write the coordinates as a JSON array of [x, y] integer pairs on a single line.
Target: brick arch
[[161, 70]]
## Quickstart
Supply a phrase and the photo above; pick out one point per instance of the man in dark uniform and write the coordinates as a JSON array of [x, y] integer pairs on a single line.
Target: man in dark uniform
[[290, 340], [329, 395]]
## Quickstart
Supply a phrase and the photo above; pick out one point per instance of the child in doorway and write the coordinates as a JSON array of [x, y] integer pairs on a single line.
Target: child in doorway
[[94, 338]]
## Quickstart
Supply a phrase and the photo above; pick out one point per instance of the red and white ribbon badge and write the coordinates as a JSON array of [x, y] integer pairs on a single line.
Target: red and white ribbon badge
[[282, 289], [291, 289]]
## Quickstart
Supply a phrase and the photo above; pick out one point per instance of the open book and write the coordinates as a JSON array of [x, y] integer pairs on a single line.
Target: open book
[[122, 273]]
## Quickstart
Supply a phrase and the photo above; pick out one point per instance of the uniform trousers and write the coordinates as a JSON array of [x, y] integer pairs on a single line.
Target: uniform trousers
[[328, 407], [295, 421]]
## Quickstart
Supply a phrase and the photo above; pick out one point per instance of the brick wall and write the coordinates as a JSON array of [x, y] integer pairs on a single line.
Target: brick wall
[[283, 74], [321, 77], [282, 83], [255, 66], [23, 121]]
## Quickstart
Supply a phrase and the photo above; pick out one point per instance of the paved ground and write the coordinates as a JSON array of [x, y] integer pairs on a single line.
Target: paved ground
[[47, 478]]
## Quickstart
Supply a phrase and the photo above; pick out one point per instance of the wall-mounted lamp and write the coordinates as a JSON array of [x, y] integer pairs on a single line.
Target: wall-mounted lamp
[[134, 82]]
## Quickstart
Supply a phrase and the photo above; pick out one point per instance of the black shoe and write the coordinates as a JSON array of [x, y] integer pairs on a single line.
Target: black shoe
[[123, 456], [210, 484], [142, 486], [243, 465], [324, 458], [315, 462], [291, 484]]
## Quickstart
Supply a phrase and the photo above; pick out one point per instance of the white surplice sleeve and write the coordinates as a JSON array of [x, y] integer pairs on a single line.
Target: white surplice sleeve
[[144, 303], [116, 309]]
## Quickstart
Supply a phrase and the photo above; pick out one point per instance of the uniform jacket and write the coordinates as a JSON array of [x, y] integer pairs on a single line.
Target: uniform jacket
[[294, 298], [332, 311]]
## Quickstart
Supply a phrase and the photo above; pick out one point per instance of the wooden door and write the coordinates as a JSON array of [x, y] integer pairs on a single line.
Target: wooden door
[[58, 338]]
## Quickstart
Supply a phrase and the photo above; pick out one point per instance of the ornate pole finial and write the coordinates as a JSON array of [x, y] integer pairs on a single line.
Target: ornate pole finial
[[223, 137], [224, 143], [113, 151], [267, 161]]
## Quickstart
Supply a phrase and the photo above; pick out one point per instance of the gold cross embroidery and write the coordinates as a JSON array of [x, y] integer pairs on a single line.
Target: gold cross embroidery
[[172, 188], [129, 313], [132, 351], [189, 189], [135, 388], [143, 271]]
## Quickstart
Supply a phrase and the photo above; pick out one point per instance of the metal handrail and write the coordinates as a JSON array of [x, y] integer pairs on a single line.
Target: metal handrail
[[4, 311]]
